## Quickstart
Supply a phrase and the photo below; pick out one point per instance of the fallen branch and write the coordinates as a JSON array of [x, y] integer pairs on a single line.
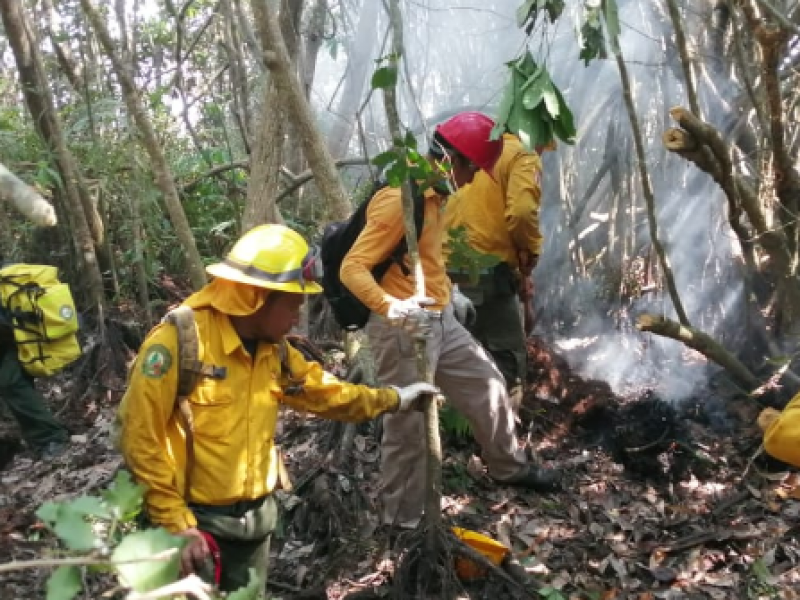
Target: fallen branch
[[698, 539], [702, 342], [307, 175], [26, 199]]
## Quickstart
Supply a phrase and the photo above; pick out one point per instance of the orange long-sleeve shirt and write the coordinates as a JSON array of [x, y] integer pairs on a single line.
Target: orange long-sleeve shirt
[[234, 418], [501, 216], [382, 232]]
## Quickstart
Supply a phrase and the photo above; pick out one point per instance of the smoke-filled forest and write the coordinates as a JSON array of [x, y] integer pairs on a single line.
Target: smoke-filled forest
[[140, 139]]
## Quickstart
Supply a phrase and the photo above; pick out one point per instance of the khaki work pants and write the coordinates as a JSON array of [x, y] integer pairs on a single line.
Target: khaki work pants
[[471, 383]]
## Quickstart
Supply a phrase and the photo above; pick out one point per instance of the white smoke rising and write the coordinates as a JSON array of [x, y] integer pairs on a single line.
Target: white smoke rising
[[455, 59]]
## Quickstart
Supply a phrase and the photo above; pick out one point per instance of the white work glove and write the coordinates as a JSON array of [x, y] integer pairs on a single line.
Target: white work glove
[[410, 315], [410, 395], [464, 308]]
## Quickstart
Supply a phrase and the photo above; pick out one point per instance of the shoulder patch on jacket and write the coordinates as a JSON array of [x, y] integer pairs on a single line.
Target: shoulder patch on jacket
[[156, 361]]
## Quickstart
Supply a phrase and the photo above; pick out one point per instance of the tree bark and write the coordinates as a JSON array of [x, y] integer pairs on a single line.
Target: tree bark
[[433, 443], [290, 94], [164, 176], [48, 125], [702, 342]]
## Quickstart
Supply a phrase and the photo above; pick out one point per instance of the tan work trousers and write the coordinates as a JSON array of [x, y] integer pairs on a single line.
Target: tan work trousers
[[472, 384]]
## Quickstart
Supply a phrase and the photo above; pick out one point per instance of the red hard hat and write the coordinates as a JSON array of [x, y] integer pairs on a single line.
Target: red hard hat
[[468, 133]]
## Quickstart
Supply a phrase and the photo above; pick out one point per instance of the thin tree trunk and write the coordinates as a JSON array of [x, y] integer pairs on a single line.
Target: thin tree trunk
[[433, 468], [294, 102], [648, 189], [48, 125], [360, 56], [164, 177]]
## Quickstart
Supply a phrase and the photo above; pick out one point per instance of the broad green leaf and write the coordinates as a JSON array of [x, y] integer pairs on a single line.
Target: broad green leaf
[[149, 574], [124, 497], [74, 530], [64, 583], [251, 591], [535, 89], [90, 506], [48, 512], [385, 77]]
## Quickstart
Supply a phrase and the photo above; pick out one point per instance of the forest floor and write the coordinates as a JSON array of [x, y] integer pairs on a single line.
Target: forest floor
[[659, 500]]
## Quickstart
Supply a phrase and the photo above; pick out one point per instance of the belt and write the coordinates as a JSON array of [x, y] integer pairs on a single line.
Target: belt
[[236, 510]]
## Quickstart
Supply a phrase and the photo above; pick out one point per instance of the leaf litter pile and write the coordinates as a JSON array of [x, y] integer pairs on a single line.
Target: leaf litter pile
[[659, 500]]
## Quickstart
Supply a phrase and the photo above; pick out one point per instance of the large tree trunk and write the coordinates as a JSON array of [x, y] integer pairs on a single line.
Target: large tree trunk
[[40, 104], [164, 177], [294, 102], [25, 199], [267, 156]]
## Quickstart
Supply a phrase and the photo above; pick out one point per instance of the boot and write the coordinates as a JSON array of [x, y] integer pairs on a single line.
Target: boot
[[535, 478]]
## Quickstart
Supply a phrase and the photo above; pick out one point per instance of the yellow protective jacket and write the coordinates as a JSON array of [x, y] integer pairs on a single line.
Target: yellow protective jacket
[[234, 417], [382, 232], [501, 216], [782, 436]]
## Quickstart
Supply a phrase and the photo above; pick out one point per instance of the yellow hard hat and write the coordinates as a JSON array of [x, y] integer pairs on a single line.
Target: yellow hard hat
[[273, 257]]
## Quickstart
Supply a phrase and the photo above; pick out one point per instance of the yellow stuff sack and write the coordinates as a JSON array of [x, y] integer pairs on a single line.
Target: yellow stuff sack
[[41, 311]]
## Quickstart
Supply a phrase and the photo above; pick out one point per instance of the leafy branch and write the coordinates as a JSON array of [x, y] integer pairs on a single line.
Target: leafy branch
[[100, 531]]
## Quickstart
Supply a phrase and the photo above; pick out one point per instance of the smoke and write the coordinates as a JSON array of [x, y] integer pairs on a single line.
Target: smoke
[[593, 211]]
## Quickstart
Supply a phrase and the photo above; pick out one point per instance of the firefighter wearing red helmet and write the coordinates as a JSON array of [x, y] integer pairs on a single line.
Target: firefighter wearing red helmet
[[462, 369], [500, 215], [469, 134]]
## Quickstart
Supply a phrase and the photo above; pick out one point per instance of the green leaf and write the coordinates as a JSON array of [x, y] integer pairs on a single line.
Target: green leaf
[[90, 506], [551, 101], [397, 174], [251, 591], [411, 140], [124, 497], [48, 512], [151, 574], [592, 38], [554, 9], [384, 158], [64, 583], [564, 127], [74, 530], [535, 88], [524, 12], [385, 77]]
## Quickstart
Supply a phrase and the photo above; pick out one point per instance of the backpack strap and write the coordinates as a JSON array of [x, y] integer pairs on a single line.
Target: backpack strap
[[190, 370]]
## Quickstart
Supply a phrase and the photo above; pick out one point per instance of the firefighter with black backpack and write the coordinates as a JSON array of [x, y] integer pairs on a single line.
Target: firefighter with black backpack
[[462, 369], [45, 436], [198, 430]]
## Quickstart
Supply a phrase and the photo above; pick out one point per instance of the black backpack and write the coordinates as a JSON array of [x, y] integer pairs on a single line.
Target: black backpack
[[337, 239]]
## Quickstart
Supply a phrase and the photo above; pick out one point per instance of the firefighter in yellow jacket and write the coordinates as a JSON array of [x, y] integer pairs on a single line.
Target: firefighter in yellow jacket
[[782, 431], [500, 215], [462, 369], [241, 319]]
